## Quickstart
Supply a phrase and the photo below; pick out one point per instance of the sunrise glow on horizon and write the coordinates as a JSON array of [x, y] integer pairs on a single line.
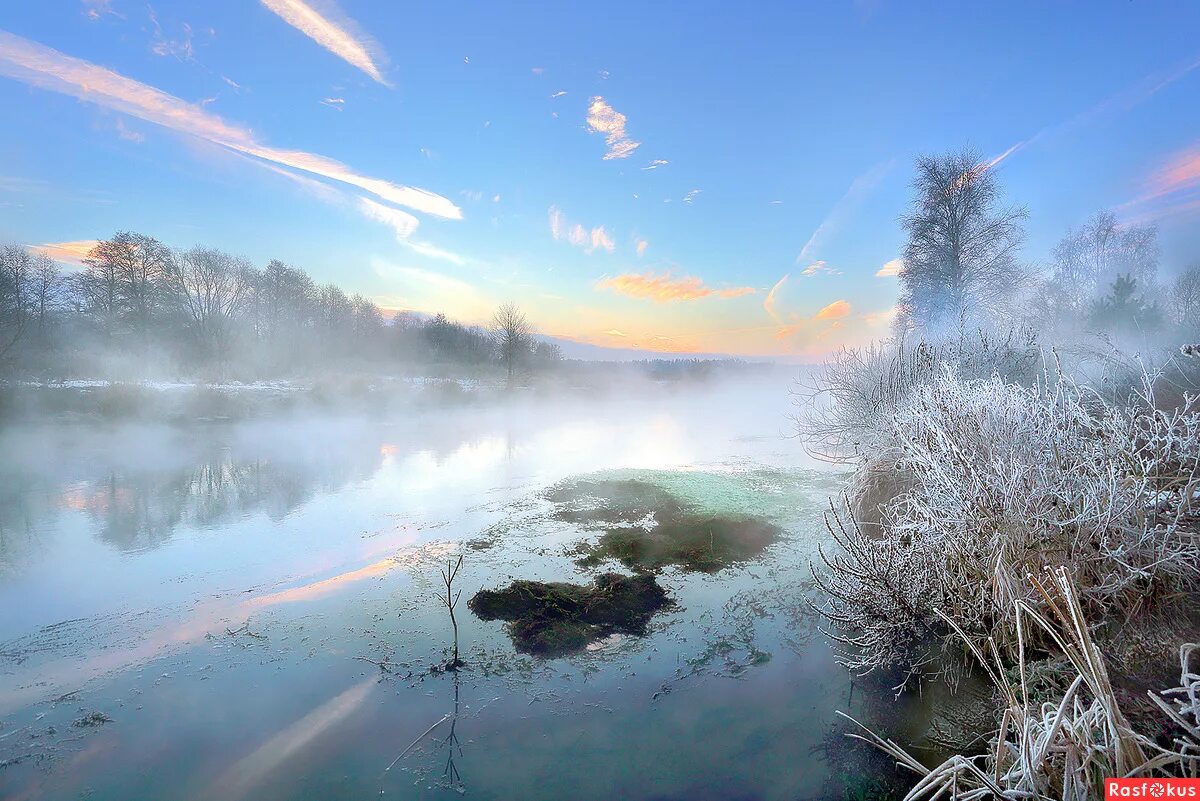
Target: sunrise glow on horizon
[[709, 182]]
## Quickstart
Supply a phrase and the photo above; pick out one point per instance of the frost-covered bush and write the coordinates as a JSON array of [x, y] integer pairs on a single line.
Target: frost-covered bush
[[1066, 746], [846, 408], [1004, 481]]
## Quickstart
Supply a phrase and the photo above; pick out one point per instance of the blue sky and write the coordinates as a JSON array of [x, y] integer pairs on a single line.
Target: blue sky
[[758, 156]]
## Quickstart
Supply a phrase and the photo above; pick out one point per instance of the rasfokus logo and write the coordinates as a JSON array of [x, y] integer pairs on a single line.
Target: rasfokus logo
[[1151, 788]]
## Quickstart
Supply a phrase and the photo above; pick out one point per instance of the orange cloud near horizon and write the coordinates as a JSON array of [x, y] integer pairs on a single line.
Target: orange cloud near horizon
[[834, 311], [72, 253], [665, 289]]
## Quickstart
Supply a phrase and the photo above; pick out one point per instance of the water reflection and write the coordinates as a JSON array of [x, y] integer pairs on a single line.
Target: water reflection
[[136, 505]]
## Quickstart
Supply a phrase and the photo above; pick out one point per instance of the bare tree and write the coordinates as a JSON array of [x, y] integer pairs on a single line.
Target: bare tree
[[1089, 259], [16, 268], [210, 287], [124, 280], [512, 336], [1185, 299], [959, 263], [47, 292]]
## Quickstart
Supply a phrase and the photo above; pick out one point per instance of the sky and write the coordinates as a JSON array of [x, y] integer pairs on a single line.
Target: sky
[[688, 178]]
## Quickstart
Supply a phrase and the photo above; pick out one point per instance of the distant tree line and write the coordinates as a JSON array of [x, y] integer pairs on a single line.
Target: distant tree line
[[139, 308]]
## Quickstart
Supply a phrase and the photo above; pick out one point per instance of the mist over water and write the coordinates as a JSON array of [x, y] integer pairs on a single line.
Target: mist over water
[[222, 593]]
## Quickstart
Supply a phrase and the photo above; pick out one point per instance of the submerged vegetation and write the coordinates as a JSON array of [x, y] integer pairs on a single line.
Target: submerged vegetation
[[647, 528], [556, 618]]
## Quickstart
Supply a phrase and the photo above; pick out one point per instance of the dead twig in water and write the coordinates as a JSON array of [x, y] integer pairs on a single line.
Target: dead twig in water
[[384, 665], [450, 601], [413, 744], [244, 629]]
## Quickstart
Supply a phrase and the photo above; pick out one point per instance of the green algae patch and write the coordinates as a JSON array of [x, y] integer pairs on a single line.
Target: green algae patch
[[556, 618], [648, 528]]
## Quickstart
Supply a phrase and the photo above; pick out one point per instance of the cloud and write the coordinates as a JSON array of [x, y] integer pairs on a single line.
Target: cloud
[[771, 303], [655, 164], [890, 269], [819, 268], [433, 251], [403, 223], [49, 69], [162, 45], [430, 291], [613, 332], [604, 119], [834, 311], [664, 289], [641, 246], [95, 9], [691, 195], [817, 329], [1181, 173], [846, 206], [577, 235], [574, 233], [128, 134], [880, 318], [335, 103], [601, 239], [72, 253], [1120, 102], [1171, 190], [333, 31], [558, 94]]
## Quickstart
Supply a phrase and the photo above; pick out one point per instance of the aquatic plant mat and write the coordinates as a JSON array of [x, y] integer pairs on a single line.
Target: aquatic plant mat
[[648, 528], [555, 619]]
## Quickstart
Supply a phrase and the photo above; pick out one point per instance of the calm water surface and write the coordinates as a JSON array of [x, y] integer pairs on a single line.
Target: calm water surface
[[187, 612]]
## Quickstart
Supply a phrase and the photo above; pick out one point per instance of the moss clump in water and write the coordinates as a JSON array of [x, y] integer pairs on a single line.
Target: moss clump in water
[[555, 619], [647, 528]]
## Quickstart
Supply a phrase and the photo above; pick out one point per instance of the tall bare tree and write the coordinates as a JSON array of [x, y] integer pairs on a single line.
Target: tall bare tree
[[960, 260], [210, 287], [512, 336], [124, 281]]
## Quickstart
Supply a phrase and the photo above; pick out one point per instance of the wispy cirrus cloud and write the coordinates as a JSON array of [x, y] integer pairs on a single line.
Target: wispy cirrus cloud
[[324, 23], [576, 234], [655, 164], [846, 205], [1117, 103], [890, 269], [641, 246], [45, 68], [69, 253], [401, 222], [819, 267], [771, 302], [95, 9], [1172, 190], [665, 288], [604, 119]]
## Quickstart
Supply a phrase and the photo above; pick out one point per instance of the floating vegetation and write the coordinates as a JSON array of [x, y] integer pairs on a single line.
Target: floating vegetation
[[648, 528], [92, 719], [556, 619]]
